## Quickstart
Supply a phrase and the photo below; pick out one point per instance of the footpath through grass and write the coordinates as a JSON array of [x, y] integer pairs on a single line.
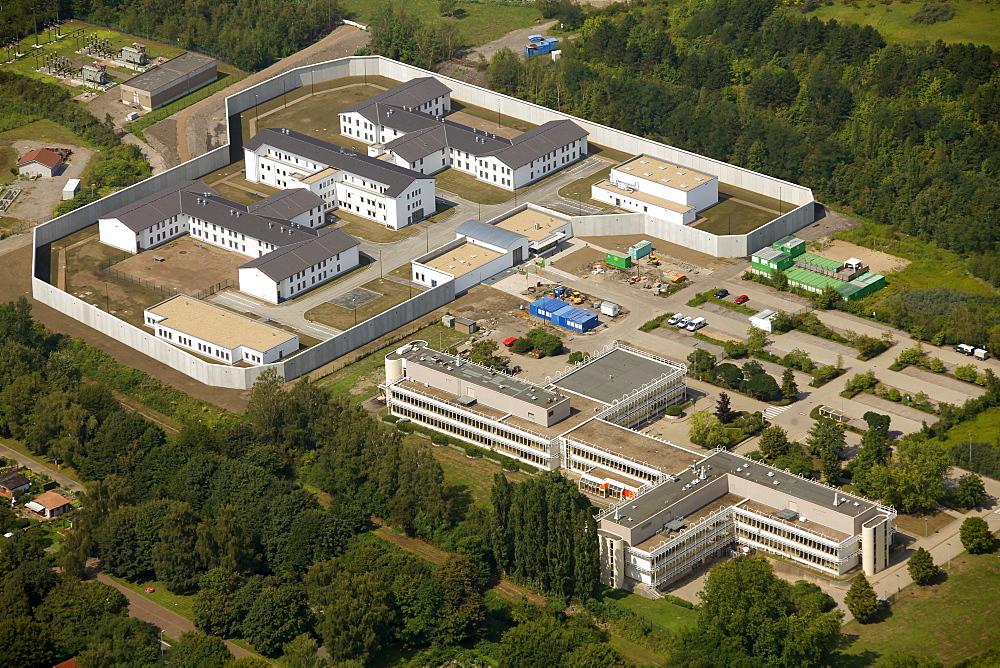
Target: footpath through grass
[[948, 622], [974, 21]]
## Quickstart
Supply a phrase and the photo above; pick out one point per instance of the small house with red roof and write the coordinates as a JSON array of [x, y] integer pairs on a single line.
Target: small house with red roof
[[49, 505], [40, 162]]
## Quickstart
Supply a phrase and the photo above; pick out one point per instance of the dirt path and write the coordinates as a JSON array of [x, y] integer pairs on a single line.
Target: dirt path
[[514, 40], [201, 127]]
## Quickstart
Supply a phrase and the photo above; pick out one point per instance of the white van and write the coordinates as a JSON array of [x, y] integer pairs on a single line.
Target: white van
[[683, 322], [697, 323], [675, 318]]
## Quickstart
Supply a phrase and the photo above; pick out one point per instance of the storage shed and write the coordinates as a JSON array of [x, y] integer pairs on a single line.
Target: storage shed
[[620, 261], [575, 318], [640, 250], [70, 189]]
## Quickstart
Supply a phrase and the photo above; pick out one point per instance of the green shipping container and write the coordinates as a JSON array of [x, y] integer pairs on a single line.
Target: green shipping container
[[622, 262]]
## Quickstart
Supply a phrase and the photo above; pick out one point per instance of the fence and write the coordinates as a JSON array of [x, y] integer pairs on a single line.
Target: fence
[[113, 260], [168, 291]]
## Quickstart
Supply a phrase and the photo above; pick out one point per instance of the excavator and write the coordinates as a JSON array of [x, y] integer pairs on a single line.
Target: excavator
[[653, 260], [577, 297]]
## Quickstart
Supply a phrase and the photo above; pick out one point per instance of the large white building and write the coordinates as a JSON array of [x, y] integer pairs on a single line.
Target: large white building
[[364, 186], [405, 126], [214, 332], [290, 256], [676, 509], [645, 184]]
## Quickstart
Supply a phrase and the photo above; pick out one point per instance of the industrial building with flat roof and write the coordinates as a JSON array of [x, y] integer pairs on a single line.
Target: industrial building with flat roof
[[405, 126], [645, 184], [676, 509], [217, 333], [170, 80]]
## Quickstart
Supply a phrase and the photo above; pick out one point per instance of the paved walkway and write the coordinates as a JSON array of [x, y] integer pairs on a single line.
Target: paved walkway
[[27, 462], [169, 622]]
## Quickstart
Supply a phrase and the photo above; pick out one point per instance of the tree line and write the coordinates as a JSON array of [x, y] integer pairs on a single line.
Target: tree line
[[904, 134]]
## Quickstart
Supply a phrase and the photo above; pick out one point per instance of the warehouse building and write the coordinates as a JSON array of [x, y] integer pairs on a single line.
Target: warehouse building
[[675, 509], [645, 184], [217, 333], [375, 189], [289, 255], [169, 81], [405, 126]]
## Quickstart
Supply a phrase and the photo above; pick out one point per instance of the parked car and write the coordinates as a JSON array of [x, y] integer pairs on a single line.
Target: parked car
[[509, 341], [684, 323], [742, 299], [696, 324], [675, 318], [722, 294]]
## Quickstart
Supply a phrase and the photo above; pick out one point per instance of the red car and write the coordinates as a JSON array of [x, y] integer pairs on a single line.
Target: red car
[[742, 299], [509, 341]]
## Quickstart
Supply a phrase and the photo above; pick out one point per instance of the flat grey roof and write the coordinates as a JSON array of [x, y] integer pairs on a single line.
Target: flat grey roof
[[613, 376], [473, 373], [171, 70], [395, 178]]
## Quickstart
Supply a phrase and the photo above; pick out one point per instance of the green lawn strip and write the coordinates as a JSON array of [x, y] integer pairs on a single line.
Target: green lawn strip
[[580, 189], [372, 231], [236, 194], [8, 160], [732, 217], [442, 212], [672, 617], [633, 653], [778, 206], [224, 80], [612, 154], [471, 188], [984, 427], [182, 605], [46, 131], [404, 271], [19, 448], [366, 373], [477, 23], [472, 475], [947, 622], [973, 21]]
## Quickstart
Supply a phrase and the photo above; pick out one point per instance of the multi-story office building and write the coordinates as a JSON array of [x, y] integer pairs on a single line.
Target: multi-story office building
[[676, 508]]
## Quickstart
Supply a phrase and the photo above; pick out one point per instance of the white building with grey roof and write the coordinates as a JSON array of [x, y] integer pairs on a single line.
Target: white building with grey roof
[[418, 137], [673, 509], [378, 190], [290, 255], [670, 192]]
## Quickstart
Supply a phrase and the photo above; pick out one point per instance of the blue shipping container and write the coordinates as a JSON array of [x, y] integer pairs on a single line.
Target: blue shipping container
[[547, 45], [575, 319]]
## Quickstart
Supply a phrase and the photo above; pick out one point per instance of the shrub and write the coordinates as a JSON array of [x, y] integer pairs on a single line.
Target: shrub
[[935, 365], [405, 427], [861, 382], [650, 325], [913, 355], [677, 600], [578, 356], [798, 359], [540, 339], [976, 536], [861, 600], [673, 410], [439, 439], [510, 464], [933, 12], [825, 374], [967, 372], [734, 349], [869, 347], [521, 346], [391, 419], [473, 451]]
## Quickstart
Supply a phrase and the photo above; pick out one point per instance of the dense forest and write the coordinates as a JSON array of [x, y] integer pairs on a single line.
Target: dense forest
[[903, 134]]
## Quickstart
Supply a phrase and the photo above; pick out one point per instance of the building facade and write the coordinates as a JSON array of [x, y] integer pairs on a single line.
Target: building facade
[[364, 186], [645, 184], [169, 81]]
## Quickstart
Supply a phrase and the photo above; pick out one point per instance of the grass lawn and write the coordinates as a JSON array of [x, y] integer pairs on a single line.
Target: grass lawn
[[443, 212], [317, 116], [732, 217], [974, 21], [371, 231], [474, 476], [491, 116], [635, 654], [610, 153], [182, 605], [469, 187], [19, 448], [477, 23], [930, 266], [404, 271], [44, 131], [777, 206], [985, 427], [947, 622], [359, 380], [580, 189], [8, 160], [663, 613], [239, 195], [917, 525]]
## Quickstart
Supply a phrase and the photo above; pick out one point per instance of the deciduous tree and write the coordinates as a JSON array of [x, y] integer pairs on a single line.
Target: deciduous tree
[[861, 600], [976, 535], [921, 567]]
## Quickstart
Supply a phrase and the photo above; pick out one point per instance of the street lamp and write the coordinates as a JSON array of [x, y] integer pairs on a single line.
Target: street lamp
[[970, 449], [949, 555], [925, 527]]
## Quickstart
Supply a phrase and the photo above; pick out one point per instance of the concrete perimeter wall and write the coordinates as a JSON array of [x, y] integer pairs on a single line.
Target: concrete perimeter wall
[[243, 378]]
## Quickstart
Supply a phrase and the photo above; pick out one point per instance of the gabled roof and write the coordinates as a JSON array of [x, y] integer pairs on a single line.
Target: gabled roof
[[396, 179], [161, 205], [490, 234], [412, 93], [236, 217], [51, 500], [415, 145], [287, 204], [397, 118], [536, 142], [283, 262], [42, 156], [13, 480]]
